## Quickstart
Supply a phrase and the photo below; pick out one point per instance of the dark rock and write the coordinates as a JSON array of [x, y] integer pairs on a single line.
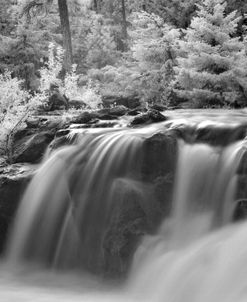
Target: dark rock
[[158, 107], [62, 132], [82, 118], [220, 135], [159, 156], [102, 114], [240, 211], [134, 112], [129, 223], [56, 101], [33, 122], [242, 168], [127, 101], [152, 116], [110, 113], [141, 205], [75, 104], [31, 148], [13, 181], [104, 125], [119, 110], [59, 142]]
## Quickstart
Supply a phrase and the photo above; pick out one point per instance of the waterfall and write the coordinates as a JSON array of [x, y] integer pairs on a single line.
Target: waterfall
[[185, 251]]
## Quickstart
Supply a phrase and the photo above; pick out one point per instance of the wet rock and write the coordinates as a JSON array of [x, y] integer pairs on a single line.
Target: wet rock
[[241, 191], [159, 107], [134, 112], [59, 142], [13, 181], [220, 135], [128, 224], [152, 116], [242, 168], [141, 205], [31, 148], [159, 155], [240, 212]]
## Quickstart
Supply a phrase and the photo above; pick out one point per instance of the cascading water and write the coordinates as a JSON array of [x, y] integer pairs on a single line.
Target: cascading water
[[83, 191]]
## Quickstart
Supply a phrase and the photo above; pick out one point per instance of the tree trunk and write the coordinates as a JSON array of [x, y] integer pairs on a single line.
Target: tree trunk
[[95, 4], [124, 26], [67, 44]]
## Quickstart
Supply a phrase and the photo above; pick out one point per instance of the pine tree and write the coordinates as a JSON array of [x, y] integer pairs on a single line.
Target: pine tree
[[213, 69]]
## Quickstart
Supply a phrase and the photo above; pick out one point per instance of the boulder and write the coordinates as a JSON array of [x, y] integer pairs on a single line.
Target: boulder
[[149, 117], [82, 118], [56, 101]]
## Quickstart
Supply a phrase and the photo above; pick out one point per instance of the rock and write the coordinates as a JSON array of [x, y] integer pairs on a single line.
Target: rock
[[130, 102], [82, 118], [159, 107], [134, 112], [242, 168], [13, 181], [31, 148], [220, 136], [128, 224], [159, 154], [240, 211], [77, 104], [56, 101], [141, 205], [102, 114], [119, 110], [152, 116], [59, 142]]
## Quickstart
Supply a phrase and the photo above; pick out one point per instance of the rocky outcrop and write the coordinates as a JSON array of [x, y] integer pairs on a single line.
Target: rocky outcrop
[[143, 205], [13, 181]]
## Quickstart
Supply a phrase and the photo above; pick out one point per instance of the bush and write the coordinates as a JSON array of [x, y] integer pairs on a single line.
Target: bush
[[14, 108]]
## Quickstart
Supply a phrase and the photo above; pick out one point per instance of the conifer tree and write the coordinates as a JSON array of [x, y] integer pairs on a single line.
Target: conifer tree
[[213, 67]]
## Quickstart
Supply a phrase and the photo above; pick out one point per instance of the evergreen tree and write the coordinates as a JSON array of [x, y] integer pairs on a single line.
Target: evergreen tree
[[213, 69]]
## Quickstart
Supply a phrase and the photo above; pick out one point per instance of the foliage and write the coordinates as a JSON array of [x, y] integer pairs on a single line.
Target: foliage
[[213, 69], [13, 108], [148, 68], [93, 39]]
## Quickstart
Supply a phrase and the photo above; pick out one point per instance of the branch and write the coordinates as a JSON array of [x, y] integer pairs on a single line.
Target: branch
[[34, 7]]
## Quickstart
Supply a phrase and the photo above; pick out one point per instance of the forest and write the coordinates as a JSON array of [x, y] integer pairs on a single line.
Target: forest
[[175, 54]]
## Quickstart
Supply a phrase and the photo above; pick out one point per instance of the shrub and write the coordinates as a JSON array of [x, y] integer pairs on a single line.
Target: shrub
[[14, 108]]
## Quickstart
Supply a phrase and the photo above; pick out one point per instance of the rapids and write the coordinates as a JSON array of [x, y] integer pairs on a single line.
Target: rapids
[[58, 249]]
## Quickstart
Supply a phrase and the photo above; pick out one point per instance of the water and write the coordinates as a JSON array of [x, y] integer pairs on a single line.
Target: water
[[59, 246]]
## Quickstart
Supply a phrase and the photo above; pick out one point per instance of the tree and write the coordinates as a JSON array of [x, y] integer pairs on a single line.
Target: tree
[[212, 68], [67, 44], [35, 7]]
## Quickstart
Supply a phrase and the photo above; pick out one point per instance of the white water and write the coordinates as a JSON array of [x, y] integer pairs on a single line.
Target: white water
[[188, 260]]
